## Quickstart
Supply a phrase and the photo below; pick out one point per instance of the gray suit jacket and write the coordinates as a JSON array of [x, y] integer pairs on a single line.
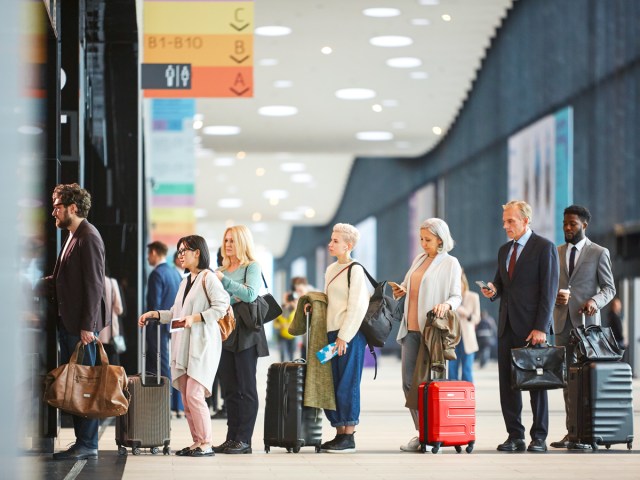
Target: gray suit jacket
[[591, 278]]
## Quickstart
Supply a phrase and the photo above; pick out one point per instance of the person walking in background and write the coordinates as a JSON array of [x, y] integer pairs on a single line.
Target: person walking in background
[[114, 305], [77, 286], [162, 288], [199, 304], [468, 316], [614, 321], [433, 283], [348, 299], [241, 277], [486, 333], [286, 341], [526, 282], [586, 286]]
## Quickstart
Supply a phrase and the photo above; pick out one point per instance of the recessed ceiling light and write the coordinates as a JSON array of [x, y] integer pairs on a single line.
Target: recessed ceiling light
[[283, 84], [301, 178], [272, 31], [230, 203], [260, 172], [404, 62], [376, 108], [374, 136], [277, 111], [390, 41], [419, 75], [429, 2], [355, 93], [240, 155], [256, 217], [309, 213], [221, 130], [437, 130], [292, 167], [279, 194], [197, 124], [381, 12], [420, 22], [268, 62], [326, 50], [224, 161], [446, 18], [274, 201]]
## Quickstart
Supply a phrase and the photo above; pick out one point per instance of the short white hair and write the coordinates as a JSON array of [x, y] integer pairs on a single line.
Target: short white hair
[[350, 234], [440, 229]]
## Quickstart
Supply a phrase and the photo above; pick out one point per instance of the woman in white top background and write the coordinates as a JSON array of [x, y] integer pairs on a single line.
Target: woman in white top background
[[432, 283], [348, 300], [469, 317]]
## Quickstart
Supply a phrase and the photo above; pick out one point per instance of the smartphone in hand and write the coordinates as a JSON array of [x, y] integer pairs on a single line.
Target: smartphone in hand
[[396, 285], [482, 284]]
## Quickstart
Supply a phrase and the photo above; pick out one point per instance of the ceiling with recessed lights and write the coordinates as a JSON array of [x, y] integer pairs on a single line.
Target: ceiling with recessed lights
[[333, 80]]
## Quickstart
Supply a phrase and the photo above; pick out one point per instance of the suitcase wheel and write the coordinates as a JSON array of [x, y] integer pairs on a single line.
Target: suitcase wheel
[[135, 451], [629, 445], [469, 448], [594, 446], [166, 451], [608, 446], [155, 450], [122, 451], [296, 449], [288, 449], [436, 447], [458, 448], [318, 449], [267, 448], [423, 448]]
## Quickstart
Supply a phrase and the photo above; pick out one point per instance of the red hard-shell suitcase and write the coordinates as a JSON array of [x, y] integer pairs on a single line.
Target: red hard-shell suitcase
[[447, 411]]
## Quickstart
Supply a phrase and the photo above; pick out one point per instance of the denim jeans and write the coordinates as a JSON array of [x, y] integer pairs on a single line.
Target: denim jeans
[[465, 360], [347, 373], [85, 429]]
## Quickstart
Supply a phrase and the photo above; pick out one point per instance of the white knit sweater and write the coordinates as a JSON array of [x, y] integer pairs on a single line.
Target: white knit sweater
[[347, 305]]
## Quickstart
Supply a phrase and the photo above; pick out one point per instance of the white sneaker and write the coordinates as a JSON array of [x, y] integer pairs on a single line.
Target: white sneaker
[[412, 446]]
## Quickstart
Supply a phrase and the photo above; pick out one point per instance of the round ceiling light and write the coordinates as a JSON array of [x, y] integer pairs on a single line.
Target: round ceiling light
[[355, 93], [277, 111], [404, 62], [374, 136], [221, 130], [381, 12], [391, 41]]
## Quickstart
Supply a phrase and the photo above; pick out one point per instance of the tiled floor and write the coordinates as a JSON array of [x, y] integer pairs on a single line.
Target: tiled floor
[[385, 424]]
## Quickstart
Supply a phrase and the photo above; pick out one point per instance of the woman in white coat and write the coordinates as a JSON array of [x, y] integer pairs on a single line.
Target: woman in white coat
[[432, 283], [469, 316], [195, 350]]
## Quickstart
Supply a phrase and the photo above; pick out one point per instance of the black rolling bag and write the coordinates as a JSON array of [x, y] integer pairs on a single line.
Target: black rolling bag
[[147, 424], [600, 404], [287, 422]]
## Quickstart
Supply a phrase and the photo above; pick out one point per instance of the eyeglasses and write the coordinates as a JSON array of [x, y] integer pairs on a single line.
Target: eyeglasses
[[59, 206], [182, 251]]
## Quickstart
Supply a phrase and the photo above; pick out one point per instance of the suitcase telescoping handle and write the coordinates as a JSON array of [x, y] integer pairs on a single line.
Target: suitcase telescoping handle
[[306, 349], [143, 350]]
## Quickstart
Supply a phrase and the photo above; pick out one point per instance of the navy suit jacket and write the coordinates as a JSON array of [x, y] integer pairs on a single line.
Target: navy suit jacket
[[162, 288], [79, 282], [527, 299]]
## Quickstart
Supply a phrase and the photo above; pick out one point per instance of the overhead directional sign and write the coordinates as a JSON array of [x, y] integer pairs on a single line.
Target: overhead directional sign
[[214, 37], [166, 75]]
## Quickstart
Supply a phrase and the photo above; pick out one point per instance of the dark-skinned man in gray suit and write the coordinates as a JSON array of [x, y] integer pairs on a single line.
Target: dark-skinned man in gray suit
[[586, 286], [526, 282], [77, 288]]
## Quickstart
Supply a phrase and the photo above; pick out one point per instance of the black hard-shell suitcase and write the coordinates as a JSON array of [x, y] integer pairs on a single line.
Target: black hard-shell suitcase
[[287, 422], [147, 424], [601, 404]]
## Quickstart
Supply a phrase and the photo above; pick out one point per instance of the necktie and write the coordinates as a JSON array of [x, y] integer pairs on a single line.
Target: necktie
[[512, 260], [572, 259]]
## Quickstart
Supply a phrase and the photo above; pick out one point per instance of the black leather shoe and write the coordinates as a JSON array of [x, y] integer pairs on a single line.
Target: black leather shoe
[[537, 445], [77, 453], [220, 414], [564, 443], [237, 447], [512, 445], [220, 448], [184, 452], [198, 452]]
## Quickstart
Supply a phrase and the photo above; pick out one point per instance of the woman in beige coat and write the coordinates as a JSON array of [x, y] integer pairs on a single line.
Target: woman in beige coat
[[195, 350], [469, 316]]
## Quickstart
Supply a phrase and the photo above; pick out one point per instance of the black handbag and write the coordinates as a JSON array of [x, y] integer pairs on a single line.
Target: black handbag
[[381, 313], [541, 367], [595, 343]]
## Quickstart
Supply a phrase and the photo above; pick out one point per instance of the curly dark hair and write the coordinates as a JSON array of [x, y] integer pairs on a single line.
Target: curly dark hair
[[74, 194], [583, 213]]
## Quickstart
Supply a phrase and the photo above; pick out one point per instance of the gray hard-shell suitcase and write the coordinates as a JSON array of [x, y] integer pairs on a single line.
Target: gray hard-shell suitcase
[[147, 424], [601, 404], [287, 422]]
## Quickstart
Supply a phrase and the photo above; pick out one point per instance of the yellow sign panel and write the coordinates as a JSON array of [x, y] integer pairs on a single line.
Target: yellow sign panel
[[200, 50], [212, 18]]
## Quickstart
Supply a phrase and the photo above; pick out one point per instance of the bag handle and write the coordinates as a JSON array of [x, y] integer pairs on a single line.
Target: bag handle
[[373, 281], [336, 276], [78, 353], [204, 286]]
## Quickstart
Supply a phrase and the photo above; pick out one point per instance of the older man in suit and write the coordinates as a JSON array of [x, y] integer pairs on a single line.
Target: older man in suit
[[586, 286], [77, 285], [526, 282]]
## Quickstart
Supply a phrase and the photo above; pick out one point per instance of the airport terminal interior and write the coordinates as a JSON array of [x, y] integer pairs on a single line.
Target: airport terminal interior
[[188, 117]]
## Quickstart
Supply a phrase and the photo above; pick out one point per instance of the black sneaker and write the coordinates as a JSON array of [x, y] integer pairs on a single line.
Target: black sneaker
[[344, 443], [327, 445]]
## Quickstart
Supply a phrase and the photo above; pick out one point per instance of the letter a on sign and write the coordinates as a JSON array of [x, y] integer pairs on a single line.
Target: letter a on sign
[[239, 80]]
